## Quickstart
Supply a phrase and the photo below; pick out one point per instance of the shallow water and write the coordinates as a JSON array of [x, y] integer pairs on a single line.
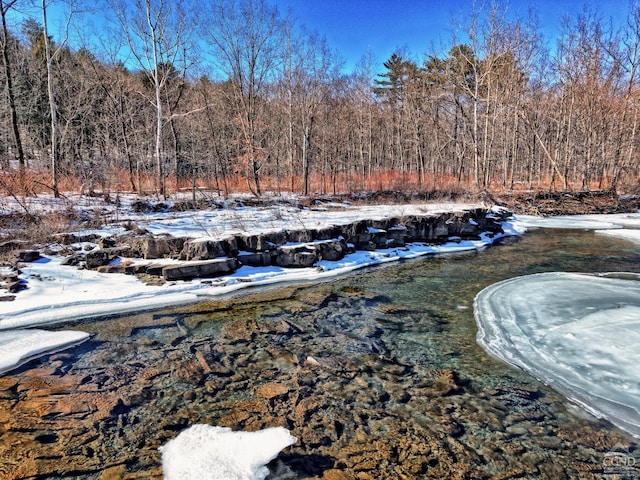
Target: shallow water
[[377, 374]]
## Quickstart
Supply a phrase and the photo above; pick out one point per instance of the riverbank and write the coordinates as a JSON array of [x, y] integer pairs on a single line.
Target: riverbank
[[566, 202]]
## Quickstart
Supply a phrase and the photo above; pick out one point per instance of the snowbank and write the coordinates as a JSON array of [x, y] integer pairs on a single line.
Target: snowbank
[[58, 293]]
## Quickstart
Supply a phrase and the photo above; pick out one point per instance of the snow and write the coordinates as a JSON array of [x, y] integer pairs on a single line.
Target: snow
[[218, 453], [58, 293], [20, 346], [578, 333]]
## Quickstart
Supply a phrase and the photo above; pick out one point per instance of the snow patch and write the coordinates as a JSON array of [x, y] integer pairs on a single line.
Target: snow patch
[[20, 346], [218, 453]]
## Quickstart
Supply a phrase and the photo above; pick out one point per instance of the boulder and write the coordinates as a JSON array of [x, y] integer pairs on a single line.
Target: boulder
[[72, 260], [299, 236], [396, 236], [150, 247], [328, 233], [261, 242], [297, 256], [69, 238], [370, 239], [440, 228], [332, 250], [106, 242], [188, 271], [97, 258], [258, 259], [119, 268], [154, 269], [209, 249], [28, 256]]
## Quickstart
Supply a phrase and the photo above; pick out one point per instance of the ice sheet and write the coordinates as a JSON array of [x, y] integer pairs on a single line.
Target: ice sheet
[[217, 453], [578, 333], [20, 346], [586, 222], [625, 233]]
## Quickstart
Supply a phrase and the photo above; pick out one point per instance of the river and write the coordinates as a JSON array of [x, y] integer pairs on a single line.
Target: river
[[377, 374]]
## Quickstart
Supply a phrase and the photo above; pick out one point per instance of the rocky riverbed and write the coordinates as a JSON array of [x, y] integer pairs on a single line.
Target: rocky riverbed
[[329, 363]]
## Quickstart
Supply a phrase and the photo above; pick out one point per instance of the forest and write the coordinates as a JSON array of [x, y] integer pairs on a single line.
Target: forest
[[236, 96]]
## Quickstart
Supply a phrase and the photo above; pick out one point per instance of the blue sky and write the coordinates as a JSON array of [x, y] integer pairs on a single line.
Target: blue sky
[[417, 27], [351, 27]]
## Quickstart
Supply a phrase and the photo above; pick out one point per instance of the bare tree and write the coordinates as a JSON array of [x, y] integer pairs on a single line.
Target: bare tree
[[50, 56], [5, 6], [246, 38], [157, 33]]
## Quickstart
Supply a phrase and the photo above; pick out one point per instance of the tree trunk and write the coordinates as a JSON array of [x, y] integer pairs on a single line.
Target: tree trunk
[[10, 92], [55, 161]]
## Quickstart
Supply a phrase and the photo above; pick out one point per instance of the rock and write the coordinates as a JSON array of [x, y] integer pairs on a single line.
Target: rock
[[154, 269], [298, 256], [209, 249], [328, 233], [397, 236], [97, 258], [106, 242], [16, 286], [28, 256], [262, 242], [258, 259], [272, 390], [332, 250], [188, 271], [69, 238], [72, 260], [337, 475], [150, 247], [206, 368], [299, 236], [125, 268]]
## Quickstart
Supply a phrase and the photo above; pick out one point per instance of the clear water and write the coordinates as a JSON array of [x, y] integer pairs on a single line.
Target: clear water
[[377, 374]]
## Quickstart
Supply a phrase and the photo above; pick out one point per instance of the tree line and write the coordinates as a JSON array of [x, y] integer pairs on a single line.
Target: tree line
[[235, 96]]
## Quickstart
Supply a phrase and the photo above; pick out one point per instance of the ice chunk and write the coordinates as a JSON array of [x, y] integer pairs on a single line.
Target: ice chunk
[[20, 346], [579, 333], [218, 453]]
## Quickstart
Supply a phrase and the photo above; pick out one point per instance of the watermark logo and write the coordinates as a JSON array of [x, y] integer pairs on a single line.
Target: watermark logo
[[620, 461]]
